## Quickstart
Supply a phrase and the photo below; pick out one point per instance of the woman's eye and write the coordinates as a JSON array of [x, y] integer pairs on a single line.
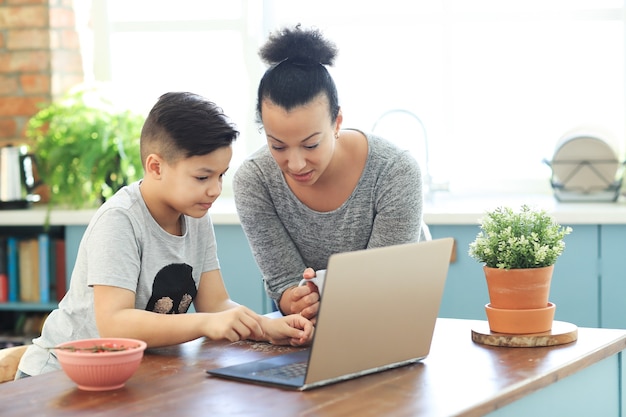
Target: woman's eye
[[202, 178], [311, 146], [277, 148]]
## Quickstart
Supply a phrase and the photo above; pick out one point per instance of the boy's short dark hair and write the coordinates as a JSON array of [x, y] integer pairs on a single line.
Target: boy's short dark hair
[[182, 125]]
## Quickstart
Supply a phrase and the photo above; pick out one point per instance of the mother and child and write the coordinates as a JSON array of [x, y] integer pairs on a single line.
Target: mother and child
[[149, 251]]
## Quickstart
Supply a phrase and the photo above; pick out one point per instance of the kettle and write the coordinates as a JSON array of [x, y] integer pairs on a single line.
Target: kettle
[[18, 177]]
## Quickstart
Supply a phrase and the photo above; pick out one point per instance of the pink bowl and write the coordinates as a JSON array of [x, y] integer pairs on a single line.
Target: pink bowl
[[101, 370]]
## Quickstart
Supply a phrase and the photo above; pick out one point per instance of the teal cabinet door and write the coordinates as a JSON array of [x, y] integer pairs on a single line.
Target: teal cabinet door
[[613, 281], [575, 283], [465, 293], [574, 287], [241, 275], [73, 236]]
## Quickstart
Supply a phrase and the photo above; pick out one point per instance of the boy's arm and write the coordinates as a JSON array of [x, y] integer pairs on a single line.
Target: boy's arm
[[217, 318], [212, 296], [116, 315]]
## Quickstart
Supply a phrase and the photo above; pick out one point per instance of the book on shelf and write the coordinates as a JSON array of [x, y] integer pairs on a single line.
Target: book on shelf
[[4, 278], [28, 256], [60, 272], [13, 268], [44, 256], [4, 288], [35, 268]]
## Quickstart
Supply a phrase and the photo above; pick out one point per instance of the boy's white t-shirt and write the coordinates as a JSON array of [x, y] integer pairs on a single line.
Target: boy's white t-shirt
[[125, 247]]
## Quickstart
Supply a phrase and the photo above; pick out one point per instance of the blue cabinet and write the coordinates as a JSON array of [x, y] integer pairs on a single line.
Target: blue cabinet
[[575, 284], [588, 286], [612, 272], [465, 293], [241, 275]]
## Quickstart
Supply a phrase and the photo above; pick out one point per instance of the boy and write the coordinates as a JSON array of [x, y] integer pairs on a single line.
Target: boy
[[151, 249]]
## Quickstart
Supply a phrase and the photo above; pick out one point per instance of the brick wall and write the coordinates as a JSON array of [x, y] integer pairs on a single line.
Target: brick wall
[[40, 59]]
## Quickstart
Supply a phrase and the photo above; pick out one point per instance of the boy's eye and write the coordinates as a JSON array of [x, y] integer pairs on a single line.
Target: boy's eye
[[201, 178]]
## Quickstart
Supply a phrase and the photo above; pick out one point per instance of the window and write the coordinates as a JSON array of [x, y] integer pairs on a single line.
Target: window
[[148, 47], [495, 84]]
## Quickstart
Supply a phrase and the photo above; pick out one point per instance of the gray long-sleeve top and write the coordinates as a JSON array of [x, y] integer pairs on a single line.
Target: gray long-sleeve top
[[286, 236]]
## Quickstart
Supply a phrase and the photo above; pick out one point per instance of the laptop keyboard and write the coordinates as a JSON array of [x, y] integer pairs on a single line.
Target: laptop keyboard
[[288, 371]]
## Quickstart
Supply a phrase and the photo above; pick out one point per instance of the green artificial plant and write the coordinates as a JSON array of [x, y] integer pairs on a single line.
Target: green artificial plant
[[525, 239]]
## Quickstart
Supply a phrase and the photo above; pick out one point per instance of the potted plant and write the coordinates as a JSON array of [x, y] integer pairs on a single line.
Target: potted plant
[[86, 146], [519, 250]]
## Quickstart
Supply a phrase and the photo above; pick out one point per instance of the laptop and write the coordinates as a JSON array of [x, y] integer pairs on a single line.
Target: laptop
[[377, 311]]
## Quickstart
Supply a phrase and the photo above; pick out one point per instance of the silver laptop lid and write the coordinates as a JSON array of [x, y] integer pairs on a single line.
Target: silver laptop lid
[[378, 309]]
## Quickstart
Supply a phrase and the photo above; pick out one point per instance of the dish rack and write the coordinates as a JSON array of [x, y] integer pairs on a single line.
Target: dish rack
[[585, 168]]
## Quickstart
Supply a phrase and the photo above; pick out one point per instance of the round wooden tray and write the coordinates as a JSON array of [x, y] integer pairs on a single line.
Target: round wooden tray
[[561, 333]]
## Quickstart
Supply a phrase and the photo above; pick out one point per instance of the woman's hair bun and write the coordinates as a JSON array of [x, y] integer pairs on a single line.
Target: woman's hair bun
[[302, 46]]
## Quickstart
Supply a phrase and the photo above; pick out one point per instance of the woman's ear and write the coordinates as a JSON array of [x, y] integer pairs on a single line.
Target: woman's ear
[[338, 122]]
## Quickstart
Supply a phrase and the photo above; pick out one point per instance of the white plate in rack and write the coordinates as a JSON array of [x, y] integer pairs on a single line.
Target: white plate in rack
[[585, 164]]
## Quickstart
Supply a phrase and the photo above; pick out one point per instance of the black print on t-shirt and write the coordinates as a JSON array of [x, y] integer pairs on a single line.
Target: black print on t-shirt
[[173, 290]]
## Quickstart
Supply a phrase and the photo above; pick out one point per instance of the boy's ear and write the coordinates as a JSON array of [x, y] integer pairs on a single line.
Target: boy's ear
[[153, 165]]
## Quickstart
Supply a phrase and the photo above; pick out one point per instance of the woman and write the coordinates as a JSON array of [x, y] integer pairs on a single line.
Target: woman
[[317, 189]]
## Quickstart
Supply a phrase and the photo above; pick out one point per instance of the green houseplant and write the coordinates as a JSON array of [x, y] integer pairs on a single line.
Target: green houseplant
[[519, 250], [512, 240], [86, 146]]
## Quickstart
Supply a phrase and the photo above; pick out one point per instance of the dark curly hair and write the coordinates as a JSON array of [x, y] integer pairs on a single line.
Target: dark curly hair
[[297, 74]]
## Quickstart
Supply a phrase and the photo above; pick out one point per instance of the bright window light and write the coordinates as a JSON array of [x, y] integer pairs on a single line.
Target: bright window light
[[494, 84]]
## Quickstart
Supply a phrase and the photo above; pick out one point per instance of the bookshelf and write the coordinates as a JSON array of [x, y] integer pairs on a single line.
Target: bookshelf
[[241, 275], [65, 225], [28, 306]]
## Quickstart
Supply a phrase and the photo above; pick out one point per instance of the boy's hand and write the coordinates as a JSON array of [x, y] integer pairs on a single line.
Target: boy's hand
[[235, 324], [293, 330]]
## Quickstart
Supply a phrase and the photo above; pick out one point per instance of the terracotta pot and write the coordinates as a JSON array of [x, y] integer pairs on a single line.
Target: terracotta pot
[[527, 288], [526, 321]]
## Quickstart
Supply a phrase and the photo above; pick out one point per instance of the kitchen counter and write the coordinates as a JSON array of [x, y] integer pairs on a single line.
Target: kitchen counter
[[459, 378], [448, 209], [444, 209]]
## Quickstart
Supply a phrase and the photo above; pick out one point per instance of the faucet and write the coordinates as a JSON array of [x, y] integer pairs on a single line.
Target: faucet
[[429, 186]]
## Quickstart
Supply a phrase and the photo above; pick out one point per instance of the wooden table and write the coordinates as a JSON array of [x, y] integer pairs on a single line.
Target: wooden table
[[458, 378]]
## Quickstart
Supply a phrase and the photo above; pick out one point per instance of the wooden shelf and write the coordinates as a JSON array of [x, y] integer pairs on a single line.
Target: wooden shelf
[[18, 306]]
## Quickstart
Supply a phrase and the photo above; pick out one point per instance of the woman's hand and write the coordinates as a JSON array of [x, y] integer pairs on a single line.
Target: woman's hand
[[292, 330], [303, 300]]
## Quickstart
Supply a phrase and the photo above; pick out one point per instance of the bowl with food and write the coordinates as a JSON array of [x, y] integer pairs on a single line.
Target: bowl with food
[[100, 364]]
